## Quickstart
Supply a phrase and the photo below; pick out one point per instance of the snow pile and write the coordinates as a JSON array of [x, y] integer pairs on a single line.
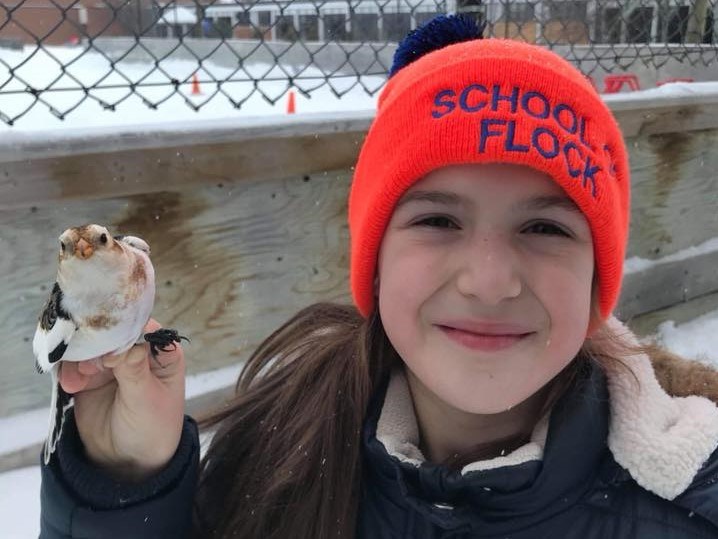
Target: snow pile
[[697, 339], [44, 69], [20, 503], [635, 263]]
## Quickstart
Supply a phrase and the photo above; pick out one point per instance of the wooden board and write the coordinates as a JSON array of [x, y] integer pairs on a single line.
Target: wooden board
[[37, 171], [232, 260], [674, 192], [667, 284], [246, 228]]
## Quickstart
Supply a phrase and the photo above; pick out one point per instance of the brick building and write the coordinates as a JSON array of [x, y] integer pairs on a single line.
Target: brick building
[[64, 21]]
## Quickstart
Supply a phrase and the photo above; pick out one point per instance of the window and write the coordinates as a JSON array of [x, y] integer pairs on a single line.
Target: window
[[243, 18], [518, 12], [309, 27], [365, 27], [608, 25], [673, 24], [638, 29], [396, 26], [708, 31], [264, 18], [335, 26], [285, 27], [223, 26], [567, 11]]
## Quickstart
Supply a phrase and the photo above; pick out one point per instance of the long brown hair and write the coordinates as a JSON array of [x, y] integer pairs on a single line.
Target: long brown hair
[[285, 460]]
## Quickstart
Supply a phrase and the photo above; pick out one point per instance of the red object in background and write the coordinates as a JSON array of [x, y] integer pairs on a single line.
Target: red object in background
[[74, 40], [674, 79], [291, 104], [195, 85], [614, 83]]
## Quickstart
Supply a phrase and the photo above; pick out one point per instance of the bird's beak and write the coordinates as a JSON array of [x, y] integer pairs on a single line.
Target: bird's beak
[[83, 249]]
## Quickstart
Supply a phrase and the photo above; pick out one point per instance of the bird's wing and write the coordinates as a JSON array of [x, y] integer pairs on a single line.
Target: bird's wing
[[54, 331], [134, 241]]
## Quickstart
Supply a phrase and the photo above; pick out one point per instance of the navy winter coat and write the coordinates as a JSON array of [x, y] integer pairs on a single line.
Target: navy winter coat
[[575, 490]]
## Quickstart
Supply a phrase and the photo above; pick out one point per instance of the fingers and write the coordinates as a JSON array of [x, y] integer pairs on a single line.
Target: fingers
[[88, 368], [132, 368], [79, 376], [152, 325], [71, 379], [140, 386]]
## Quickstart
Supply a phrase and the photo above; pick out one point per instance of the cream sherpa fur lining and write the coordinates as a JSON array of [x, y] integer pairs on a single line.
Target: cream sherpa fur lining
[[662, 441]]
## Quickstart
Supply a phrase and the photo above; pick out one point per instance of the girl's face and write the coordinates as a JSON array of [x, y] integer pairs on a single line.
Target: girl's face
[[484, 283]]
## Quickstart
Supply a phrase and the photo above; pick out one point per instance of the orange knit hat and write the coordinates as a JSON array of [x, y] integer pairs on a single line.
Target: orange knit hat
[[483, 101]]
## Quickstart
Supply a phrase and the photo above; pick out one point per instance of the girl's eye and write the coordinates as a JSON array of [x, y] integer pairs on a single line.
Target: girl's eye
[[437, 221], [549, 229]]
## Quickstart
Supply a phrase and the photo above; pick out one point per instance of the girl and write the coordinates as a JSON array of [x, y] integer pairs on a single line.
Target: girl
[[478, 388]]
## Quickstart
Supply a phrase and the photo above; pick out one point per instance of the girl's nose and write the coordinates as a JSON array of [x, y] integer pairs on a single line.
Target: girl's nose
[[488, 270]]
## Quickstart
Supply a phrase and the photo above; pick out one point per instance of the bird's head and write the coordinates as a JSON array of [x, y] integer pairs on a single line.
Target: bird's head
[[83, 243]]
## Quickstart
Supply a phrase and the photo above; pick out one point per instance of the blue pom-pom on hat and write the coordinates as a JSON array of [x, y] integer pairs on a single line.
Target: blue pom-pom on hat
[[435, 34]]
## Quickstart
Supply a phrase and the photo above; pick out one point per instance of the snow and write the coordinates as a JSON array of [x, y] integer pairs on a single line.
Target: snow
[[635, 263], [27, 428], [669, 90], [696, 339], [20, 503], [43, 69]]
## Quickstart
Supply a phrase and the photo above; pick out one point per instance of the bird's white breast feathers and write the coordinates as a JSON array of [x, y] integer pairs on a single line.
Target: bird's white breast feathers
[[108, 310]]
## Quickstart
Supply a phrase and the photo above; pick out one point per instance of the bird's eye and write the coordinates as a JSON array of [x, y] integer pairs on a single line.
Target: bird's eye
[[103, 238], [62, 246]]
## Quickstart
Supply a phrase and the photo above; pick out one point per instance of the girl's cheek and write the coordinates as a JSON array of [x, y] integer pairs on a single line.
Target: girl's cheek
[[566, 295]]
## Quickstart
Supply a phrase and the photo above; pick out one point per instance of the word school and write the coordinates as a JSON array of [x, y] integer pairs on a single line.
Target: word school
[[577, 153]]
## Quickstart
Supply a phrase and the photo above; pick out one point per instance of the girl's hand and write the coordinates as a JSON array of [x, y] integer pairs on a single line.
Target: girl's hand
[[130, 411]]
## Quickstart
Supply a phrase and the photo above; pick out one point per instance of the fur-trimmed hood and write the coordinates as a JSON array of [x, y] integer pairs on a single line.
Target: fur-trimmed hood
[[662, 426]]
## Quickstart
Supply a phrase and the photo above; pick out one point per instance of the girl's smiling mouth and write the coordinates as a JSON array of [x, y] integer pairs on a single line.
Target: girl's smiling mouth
[[486, 337]]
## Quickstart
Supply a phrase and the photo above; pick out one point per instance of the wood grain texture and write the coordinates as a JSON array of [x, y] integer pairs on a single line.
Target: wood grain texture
[[245, 232], [233, 261], [667, 284], [674, 191], [41, 169], [29, 179]]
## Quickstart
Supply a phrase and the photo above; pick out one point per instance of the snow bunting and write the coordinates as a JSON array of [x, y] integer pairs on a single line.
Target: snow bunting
[[99, 304]]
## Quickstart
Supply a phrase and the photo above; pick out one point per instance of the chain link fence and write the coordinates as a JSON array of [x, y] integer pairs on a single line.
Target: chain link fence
[[108, 51]]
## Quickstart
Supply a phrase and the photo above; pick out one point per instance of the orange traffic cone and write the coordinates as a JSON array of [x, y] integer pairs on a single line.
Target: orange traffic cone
[[291, 105], [195, 85]]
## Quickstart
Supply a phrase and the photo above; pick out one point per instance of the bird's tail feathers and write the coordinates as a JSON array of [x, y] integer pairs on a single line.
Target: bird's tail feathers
[[60, 402]]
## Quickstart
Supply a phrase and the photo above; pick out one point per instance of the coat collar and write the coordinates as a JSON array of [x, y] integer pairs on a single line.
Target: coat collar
[[514, 491], [661, 441]]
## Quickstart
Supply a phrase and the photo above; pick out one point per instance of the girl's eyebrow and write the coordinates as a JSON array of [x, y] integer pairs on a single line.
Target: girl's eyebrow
[[542, 202], [439, 197], [547, 202]]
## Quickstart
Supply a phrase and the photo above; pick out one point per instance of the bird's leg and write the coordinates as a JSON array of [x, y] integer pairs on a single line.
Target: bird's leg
[[163, 340]]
